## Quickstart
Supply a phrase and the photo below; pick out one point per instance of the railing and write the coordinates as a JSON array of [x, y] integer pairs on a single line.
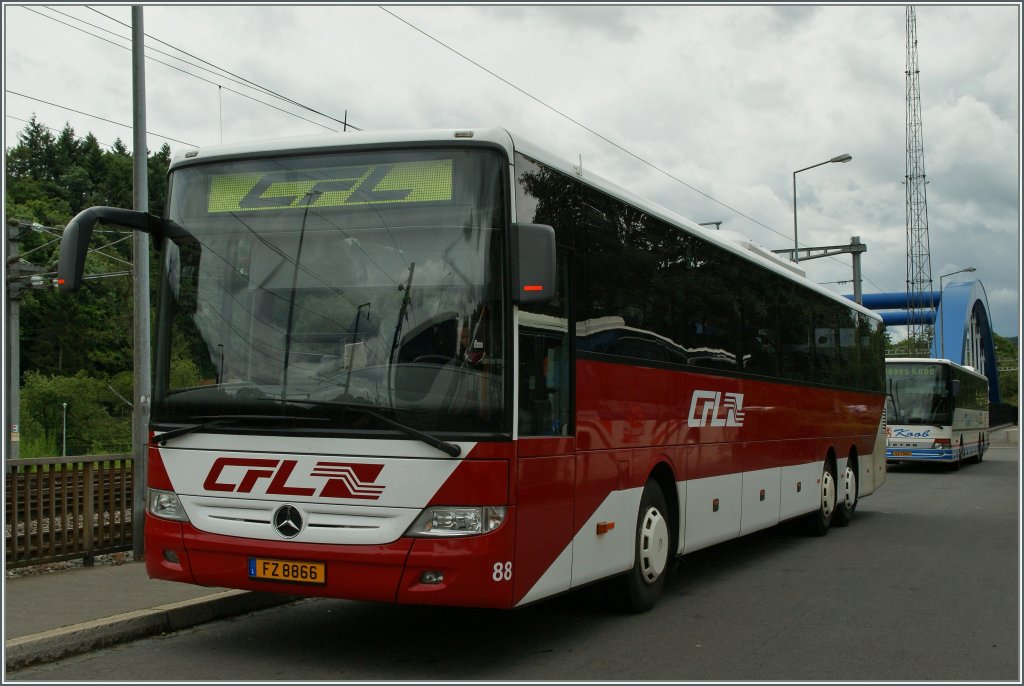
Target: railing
[[63, 508]]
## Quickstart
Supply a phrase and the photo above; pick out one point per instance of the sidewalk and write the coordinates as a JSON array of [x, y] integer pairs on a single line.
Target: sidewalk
[[1004, 435], [58, 614]]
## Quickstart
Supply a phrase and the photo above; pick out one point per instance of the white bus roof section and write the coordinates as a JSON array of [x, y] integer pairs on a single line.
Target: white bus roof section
[[920, 360], [321, 143], [933, 360], [297, 145]]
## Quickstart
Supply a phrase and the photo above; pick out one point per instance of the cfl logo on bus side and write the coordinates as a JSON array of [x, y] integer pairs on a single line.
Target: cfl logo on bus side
[[706, 409]]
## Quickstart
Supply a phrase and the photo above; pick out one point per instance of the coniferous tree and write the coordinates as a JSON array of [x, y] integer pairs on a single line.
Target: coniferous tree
[[79, 349]]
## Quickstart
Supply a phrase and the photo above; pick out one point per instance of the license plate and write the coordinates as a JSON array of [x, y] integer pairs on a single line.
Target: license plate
[[292, 571], [901, 453]]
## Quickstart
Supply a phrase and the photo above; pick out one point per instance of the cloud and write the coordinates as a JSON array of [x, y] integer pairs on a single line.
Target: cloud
[[729, 100]]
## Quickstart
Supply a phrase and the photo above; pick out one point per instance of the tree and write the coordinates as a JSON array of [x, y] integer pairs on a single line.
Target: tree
[[1007, 357], [909, 347], [33, 157], [76, 350], [93, 420], [158, 165]]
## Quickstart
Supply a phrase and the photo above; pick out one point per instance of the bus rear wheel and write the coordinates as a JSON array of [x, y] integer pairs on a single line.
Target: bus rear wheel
[[820, 520], [642, 585], [847, 496]]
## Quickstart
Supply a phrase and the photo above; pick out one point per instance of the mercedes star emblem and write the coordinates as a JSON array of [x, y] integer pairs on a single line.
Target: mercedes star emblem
[[288, 521]]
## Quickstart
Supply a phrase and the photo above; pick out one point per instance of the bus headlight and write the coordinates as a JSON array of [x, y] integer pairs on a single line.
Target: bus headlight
[[457, 521], [165, 505]]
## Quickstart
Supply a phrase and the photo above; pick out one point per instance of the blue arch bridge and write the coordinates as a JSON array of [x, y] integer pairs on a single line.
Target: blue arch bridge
[[963, 326]]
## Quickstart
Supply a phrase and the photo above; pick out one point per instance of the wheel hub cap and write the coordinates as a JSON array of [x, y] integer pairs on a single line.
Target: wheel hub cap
[[828, 494], [850, 488], [654, 544]]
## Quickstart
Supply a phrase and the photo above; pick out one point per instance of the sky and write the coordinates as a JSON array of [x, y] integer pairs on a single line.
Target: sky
[[707, 110]]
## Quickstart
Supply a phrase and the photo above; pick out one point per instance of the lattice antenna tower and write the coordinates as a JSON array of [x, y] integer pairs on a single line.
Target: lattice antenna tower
[[920, 306]]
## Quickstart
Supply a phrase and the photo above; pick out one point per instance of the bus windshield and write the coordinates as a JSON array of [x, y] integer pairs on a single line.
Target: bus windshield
[[918, 394], [332, 293]]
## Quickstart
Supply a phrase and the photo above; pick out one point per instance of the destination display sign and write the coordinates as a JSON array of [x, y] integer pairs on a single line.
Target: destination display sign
[[912, 370], [427, 181]]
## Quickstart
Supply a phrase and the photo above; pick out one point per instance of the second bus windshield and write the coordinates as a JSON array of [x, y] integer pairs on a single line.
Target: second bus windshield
[[918, 394]]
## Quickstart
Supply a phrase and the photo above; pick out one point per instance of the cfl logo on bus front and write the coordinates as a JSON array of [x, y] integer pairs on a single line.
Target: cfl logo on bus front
[[344, 480], [706, 409]]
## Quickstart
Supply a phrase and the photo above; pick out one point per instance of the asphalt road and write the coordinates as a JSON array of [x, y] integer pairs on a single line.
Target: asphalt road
[[923, 585]]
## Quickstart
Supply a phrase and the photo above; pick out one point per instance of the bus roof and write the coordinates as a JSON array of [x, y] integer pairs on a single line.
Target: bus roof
[[510, 142], [319, 143]]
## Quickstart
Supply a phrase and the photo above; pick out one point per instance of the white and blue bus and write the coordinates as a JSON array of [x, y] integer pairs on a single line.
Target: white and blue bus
[[936, 411]]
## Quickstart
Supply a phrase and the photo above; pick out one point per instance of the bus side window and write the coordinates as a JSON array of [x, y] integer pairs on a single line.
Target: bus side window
[[545, 364]]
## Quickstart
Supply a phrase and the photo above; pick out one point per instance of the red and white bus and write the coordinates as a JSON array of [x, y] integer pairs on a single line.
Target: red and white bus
[[448, 368]]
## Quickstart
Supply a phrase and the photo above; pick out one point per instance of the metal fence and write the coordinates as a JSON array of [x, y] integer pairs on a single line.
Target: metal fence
[[64, 508]]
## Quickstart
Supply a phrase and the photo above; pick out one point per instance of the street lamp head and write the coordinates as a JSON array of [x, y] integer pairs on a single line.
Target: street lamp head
[[796, 243], [959, 271]]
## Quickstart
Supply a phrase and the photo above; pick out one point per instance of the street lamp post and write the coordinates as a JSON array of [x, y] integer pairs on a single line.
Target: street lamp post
[[942, 316], [796, 244], [64, 434]]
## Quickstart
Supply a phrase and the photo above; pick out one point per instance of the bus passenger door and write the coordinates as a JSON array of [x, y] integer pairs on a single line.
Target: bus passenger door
[[546, 448]]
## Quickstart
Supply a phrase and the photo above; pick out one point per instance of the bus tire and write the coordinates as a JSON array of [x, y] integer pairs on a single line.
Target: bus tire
[[820, 520], [846, 498], [642, 585]]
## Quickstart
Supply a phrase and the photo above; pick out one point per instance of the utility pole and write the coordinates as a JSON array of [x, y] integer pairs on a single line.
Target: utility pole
[[13, 347], [20, 276], [855, 248], [140, 259]]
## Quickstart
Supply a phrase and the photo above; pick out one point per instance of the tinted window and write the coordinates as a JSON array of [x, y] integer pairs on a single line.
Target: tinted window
[[650, 292]]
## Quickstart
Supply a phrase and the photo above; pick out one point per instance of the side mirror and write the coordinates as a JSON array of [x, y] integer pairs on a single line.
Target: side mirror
[[956, 388], [533, 264], [74, 243]]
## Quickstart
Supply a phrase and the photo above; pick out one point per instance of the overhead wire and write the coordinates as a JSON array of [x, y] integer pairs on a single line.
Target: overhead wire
[[252, 84], [578, 123], [94, 116], [592, 131], [246, 82], [171, 66], [28, 121], [127, 38]]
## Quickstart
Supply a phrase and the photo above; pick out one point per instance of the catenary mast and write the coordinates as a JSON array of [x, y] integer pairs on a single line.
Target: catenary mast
[[920, 306]]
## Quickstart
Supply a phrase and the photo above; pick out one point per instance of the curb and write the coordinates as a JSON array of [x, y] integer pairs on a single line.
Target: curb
[[56, 644]]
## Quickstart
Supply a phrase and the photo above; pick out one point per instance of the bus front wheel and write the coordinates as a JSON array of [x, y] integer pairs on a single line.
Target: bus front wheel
[[642, 585]]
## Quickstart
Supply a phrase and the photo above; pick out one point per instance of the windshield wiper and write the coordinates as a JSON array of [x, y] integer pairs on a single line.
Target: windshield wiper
[[226, 418], [444, 446], [218, 420]]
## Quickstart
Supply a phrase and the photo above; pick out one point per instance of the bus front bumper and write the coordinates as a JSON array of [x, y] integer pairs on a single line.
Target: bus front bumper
[[432, 571], [919, 454]]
